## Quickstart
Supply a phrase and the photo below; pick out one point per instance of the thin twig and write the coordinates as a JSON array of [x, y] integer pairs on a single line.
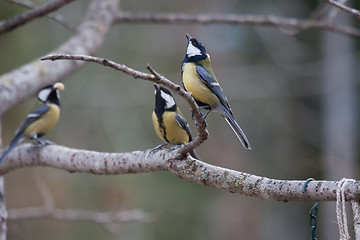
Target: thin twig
[[54, 16], [333, 12], [48, 210], [344, 8], [201, 125], [14, 22], [79, 215], [274, 21]]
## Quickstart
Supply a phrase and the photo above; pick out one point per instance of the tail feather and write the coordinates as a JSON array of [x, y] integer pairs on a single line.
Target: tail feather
[[17, 139], [236, 128]]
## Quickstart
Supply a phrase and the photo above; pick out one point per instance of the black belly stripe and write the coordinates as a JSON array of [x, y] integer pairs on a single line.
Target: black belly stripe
[[162, 126]]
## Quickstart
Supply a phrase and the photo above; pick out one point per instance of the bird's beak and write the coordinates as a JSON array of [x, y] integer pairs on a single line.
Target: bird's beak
[[157, 87], [188, 37], [59, 86]]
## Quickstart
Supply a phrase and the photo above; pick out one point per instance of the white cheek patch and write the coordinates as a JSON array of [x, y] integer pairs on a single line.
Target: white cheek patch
[[192, 50], [170, 101], [44, 94]]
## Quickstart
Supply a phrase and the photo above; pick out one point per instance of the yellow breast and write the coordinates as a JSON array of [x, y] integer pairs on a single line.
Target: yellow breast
[[45, 123], [196, 86], [171, 131]]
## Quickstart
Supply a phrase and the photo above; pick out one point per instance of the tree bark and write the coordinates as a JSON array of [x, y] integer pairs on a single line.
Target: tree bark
[[76, 160]]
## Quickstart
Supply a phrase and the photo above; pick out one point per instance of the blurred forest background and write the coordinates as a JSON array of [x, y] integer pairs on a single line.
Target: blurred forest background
[[295, 96]]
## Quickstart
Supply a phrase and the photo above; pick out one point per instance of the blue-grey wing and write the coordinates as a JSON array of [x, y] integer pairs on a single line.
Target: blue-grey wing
[[32, 117], [182, 122], [213, 85]]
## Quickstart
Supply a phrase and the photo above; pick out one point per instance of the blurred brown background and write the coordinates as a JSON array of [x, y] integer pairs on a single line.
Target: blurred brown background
[[295, 96]]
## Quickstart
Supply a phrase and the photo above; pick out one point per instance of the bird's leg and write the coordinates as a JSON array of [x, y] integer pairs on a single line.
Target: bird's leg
[[207, 113], [201, 108], [44, 142], [203, 115], [175, 147], [41, 141], [157, 148]]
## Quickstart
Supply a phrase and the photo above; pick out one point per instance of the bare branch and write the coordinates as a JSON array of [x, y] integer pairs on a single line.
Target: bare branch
[[75, 160], [201, 125], [120, 67], [48, 210], [347, 9], [333, 12], [14, 22], [54, 16], [80, 215], [273, 21], [28, 79]]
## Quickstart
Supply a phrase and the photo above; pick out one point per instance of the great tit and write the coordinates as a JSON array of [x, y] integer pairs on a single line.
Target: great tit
[[41, 120], [199, 79], [168, 122]]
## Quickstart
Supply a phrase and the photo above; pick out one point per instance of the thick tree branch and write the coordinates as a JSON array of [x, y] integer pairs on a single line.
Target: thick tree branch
[[25, 81], [14, 22], [273, 21], [347, 9], [74, 160], [201, 125]]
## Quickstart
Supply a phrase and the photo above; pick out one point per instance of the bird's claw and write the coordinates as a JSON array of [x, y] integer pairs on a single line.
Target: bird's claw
[[193, 117], [175, 147], [157, 148], [43, 142], [202, 115]]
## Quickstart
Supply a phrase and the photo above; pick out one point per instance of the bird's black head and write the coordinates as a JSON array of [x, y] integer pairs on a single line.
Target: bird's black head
[[195, 51], [50, 93], [164, 101]]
